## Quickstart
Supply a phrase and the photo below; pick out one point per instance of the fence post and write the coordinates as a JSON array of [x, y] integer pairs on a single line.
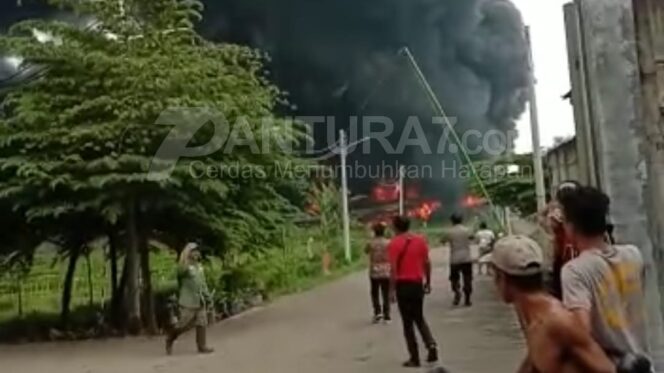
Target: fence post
[[91, 295], [19, 288]]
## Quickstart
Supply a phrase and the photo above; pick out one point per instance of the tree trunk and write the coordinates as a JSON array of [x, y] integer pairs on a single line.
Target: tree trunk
[[115, 291], [91, 287], [133, 293], [119, 316], [122, 286], [68, 286], [149, 313], [19, 292]]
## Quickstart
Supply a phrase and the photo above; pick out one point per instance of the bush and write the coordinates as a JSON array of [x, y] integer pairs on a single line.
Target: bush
[[239, 281]]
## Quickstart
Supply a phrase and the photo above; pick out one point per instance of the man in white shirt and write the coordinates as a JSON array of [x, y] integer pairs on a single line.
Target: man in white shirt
[[485, 239], [459, 238]]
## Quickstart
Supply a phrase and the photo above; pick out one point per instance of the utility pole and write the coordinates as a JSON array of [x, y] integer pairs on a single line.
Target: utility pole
[[401, 191], [508, 221], [343, 153], [534, 128]]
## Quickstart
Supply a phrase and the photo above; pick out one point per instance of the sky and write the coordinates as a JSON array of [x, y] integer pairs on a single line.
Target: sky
[[547, 24]]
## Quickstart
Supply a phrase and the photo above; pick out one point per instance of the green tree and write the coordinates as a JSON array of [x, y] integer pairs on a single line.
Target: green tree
[[78, 139], [325, 204], [509, 181]]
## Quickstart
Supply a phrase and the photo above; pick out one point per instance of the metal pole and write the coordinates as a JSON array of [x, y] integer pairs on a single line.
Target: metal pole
[[439, 109], [401, 191], [534, 128], [343, 149]]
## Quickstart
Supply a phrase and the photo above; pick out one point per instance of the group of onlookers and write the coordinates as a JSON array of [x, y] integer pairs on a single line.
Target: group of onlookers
[[400, 270], [593, 319]]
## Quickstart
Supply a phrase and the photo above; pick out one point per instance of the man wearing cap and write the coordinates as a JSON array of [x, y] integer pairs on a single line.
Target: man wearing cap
[[555, 343]]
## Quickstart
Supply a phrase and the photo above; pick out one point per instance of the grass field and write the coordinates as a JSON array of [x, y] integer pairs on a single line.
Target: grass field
[[40, 289], [277, 270], [280, 271]]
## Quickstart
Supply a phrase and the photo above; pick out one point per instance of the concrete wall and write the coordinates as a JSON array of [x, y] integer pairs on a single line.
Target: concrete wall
[[581, 101], [612, 81], [650, 42], [563, 164]]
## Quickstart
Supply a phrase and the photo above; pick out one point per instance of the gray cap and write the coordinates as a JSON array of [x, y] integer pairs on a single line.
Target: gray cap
[[518, 256]]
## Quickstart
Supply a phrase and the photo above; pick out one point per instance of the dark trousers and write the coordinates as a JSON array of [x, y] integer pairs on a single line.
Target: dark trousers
[[380, 290], [459, 271], [410, 298]]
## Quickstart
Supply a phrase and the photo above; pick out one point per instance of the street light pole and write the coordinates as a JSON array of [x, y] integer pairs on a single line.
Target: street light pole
[[534, 128], [343, 152]]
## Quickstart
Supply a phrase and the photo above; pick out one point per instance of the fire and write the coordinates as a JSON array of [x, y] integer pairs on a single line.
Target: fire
[[471, 201], [425, 210], [384, 193], [389, 192]]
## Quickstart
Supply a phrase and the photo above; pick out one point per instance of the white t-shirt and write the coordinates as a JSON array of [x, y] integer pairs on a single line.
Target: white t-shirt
[[459, 237], [609, 284], [484, 238]]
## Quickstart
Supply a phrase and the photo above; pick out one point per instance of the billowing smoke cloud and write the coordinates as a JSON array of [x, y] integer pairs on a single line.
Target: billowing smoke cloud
[[339, 58]]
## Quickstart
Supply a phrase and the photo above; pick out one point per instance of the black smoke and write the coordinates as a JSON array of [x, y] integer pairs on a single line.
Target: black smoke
[[339, 58]]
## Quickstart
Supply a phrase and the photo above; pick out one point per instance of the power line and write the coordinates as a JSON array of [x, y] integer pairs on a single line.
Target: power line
[[439, 108]]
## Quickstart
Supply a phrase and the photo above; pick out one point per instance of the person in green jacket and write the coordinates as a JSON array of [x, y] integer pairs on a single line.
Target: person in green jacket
[[194, 298]]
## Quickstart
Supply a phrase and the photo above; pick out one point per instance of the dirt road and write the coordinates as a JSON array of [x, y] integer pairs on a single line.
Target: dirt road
[[324, 330]]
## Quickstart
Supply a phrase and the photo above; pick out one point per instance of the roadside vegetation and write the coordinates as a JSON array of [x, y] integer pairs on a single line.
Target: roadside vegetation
[[89, 238]]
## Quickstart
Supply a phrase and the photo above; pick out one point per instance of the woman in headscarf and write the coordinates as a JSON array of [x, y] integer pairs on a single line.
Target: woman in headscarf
[[194, 299], [552, 221]]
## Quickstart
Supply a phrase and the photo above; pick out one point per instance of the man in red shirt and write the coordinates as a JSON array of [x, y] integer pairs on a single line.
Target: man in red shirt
[[411, 280]]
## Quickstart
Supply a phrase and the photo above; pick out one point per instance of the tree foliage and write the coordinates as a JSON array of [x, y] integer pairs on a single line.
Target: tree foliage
[[509, 181], [78, 139], [325, 204]]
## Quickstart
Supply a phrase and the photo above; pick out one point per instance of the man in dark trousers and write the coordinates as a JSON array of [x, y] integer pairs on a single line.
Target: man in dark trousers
[[411, 280], [379, 274], [459, 238]]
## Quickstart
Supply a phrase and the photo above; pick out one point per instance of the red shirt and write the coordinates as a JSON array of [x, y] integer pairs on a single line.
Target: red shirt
[[563, 252], [414, 258]]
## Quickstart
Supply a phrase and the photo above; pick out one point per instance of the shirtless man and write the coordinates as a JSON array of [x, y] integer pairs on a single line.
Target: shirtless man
[[555, 343]]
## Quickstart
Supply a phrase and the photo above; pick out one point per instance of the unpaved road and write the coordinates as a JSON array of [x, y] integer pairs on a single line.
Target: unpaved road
[[323, 330]]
